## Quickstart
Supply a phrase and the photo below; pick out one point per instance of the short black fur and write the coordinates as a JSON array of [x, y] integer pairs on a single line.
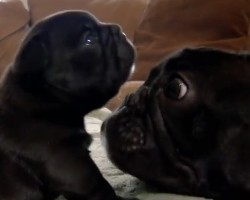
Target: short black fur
[[67, 65]]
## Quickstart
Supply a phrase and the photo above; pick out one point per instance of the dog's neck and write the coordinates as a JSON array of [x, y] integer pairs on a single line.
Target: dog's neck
[[15, 98]]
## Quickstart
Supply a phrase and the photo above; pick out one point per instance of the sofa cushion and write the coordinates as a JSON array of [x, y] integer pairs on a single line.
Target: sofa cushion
[[8, 48], [14, 19], [123, 12], [168, 25]]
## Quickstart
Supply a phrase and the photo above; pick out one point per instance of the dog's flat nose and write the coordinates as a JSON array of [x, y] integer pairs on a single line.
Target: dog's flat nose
[[113, 30], [117, 30]]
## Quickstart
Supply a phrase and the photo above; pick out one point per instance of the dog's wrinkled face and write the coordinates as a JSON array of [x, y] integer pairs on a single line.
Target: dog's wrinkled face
[[77, 57], [187, 128], [67, 65]]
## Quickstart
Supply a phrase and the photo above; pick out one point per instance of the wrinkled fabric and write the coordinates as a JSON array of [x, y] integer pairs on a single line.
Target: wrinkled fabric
[[14, 20], [169, 25]]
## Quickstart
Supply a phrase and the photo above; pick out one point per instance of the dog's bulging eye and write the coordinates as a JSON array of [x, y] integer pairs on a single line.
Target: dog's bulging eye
[[89, 39], [176, 89]]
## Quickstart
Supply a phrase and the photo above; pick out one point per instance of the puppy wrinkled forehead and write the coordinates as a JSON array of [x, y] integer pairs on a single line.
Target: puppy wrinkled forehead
[[74, 14], [69, 19]]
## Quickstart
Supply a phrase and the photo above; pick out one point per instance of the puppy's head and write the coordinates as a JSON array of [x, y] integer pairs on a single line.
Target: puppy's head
[[74, 56], [187, 128]]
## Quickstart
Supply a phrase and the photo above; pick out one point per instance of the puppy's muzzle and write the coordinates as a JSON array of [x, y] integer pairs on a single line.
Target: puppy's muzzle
[[115, 30]]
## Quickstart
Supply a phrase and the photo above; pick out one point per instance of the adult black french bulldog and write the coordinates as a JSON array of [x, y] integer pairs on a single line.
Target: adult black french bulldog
[[68, 64], [187, 129]]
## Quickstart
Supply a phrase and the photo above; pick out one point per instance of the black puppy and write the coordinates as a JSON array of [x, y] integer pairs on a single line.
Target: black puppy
[[187, 129], [68, 65]]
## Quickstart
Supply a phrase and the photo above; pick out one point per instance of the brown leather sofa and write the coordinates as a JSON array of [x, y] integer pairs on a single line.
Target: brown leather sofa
[[156, 27]]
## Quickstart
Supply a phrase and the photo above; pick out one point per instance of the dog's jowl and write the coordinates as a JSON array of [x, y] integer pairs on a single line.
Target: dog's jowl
[[187, 129], [67, 65]]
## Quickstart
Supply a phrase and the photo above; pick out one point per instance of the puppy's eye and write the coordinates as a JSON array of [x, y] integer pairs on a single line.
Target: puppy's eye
[[89, 39], [176, 89]]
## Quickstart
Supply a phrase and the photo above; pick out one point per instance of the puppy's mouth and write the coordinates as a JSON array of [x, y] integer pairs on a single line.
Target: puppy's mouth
[[137, 133]]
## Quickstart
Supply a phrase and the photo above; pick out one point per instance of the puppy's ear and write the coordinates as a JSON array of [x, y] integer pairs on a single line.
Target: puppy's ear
[[33, 54]]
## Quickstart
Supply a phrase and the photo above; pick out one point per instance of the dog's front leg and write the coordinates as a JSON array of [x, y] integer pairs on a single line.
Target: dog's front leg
[[71, 172]]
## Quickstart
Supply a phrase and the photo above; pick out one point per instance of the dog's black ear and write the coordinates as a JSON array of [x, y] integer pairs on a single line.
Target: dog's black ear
[[33, 54]]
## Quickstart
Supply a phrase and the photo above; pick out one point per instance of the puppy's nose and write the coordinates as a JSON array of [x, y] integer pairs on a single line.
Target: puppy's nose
[[116, 29]]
